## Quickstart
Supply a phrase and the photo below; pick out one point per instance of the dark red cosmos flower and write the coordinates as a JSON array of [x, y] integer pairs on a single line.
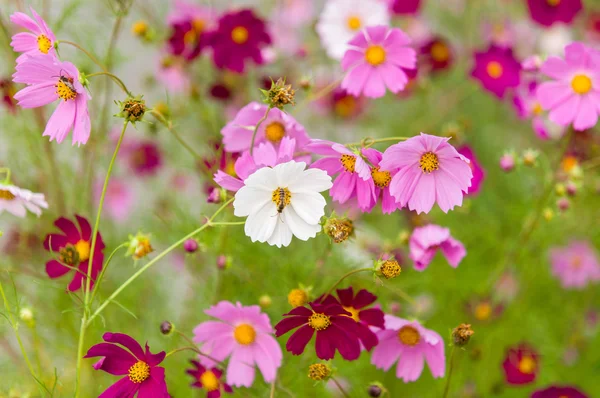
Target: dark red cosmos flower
[[547, 12], [143, 376], [145, 158], [405, 7], [437, 54], [188, 38], [219, 160], [209, 380], [345, 105], [333, 325], [521, 364], [7, 90], [364, 317], [240, 35], [72, 248], [220, 91], [558, 392]]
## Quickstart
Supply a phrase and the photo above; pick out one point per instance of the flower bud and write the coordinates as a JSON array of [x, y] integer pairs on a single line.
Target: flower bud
[[279, 95], [190, 245], [530, 157], [571, 189], [140, 28], [548, 214], [375, 390], [319, 371], [139, 246], [265, 301], [389, 269], [462, 334], [223, 262], [560, 189], [167, 328], [563, 204], [26, 315], [338, 229], [507, 162], [133, 109], [297, 297]]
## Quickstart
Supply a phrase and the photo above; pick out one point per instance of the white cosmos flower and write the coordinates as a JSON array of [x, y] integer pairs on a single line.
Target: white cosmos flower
[[282, 201], [341, 20], [17, 201]]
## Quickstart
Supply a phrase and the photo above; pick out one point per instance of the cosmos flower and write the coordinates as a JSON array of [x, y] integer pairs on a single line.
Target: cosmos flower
[[410, 345], [341, 20], [548, 12], [576, 265], [142, 156], [365, 317], [49, 80], [7, 92], [209, 379], [282, 201], [345, 105], [521, 364], [171, 72], [381, 180], [244, 334], [528, 106], [559, 392], [353, 173], [17, 201], [189, 24], [404, 7], [497, 69], [39, 40], [437, 54], [375, 61], [574, 94], [334, 327], [478, 171], [240, 35], [72, 248], [123, 356], [428, 170], [237, 134], [425, 242]]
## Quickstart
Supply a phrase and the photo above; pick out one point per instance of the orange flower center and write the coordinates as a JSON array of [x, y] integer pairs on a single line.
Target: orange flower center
[[281, 197], [244, 334], [381, 178], [483, 311], [83, 250], [345, 106], [527, 364], [239, 35], [494, 69], [275, 132], [319, 321], [139, 372], [375, 55], [576, 262], [537, 109], [408, 335], [439, 52], [429, 162], [553, 3], [44, 44], [354, 22], [581, 84], [209, 381], [65, 88], [6, 195], [348, 161]]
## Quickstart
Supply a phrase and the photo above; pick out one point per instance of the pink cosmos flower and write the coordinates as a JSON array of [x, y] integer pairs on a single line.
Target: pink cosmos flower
[[354, 174], [171, 72], [119, 199], [427, 170], [425, 242], [48, 80], [381, 180], [244, 334], [497, 69], [547, 12], [142, 375], [528, 107], [410, 345], [237, 134], [574, 95], [17, 200], [478, 171], [575, 265], [375, 60], [40, 39]]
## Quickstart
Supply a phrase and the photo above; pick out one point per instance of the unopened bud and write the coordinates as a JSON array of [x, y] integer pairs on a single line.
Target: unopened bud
[[319, 371], [462, 334], [26, 315], [571, 189], [190, 245], [139, 28], [530, 157], [167, 328], [507, 162], [548, 214], [265, 301], [375, 390], [560, 189], [279, 95], [223, 262], [389, 269], [563, 204]]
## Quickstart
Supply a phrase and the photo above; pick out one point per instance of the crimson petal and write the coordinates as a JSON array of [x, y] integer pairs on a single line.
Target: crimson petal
[[117, 361], [298, 341], [346, 297], [126, 341], [287, 324], [123, 388], [69, 229], [364, 298], [372, 317]]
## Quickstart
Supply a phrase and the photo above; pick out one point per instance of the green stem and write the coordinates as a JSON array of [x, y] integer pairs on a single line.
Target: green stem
[[590, 164], [368, 141], [114, 78], [104, 268], [229, 223], [356, 271], [337, 383], [180, 349], [321, 93], [450, 369], [90, 261], [262, 119], [169, 127], [90, 56]]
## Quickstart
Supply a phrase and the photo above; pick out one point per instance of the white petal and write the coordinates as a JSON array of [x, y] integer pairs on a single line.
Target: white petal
[[264, 178], [312, 180], [249, 199], [289, 172], [301, 229], [282, 235], [310, 206], [260, 224]]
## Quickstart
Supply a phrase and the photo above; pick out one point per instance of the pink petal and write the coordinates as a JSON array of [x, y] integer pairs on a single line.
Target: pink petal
[[404, 57], [24, 20], [210, 330], [565, 113], [343, 187], [61, 121], [374, 86], [240, 371], [448, 193], [410, 366], [24, 42], [355, 80], [587, 115], [552, 94], [36, 95], [351, 58], [556, 68], [394, 78], [82, 125], [424, 194]]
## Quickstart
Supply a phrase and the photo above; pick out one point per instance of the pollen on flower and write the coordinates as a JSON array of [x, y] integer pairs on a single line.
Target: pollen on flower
[[354, 22], [239, 35], [353, 311], [83, 250], [408, 335], [381, 178], [576, 262], [209, 381], [390, 269], [44, 44], [297, 297], [581, 84], [139, 372], [494, 69], [6, 195], [439, 52], [199, 24], [139, 28], [553, 3], [319, 321], [65, 89], [429, 162], [375, 55], [348, 161], [275, 132], [244, 334], [281, 197], [527, 364], [319, 371]]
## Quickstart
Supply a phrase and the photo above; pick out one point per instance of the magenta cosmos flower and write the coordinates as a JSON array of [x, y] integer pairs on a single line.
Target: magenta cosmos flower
[[142, 375], [240, 35], [40, 39], [437, 54], [404, 7], [497, 69], [375, 60], [559, 392], [245, 335], [365, 317], [521, 365], [478, 171], [410, 345], [72, 248], [381, 180], [547, 12], [427, 170], [237, 134], [48, 80], [353, 179], [143, 157], [208, 379], [575, 265], [189, 26], [574, 95], [425, 242], [334, 326]]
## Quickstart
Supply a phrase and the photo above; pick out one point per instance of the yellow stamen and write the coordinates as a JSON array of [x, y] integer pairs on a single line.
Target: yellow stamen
[[6, 195], [553, 3], [139, 28], [239, 35], [429, 162], [275, 132], [65, 89], [354, 22], [381, 178], [581, 84], [209, 381], [576, 262], [348, 161], [527, 364], [345, 106], [353, 311], [281, 197], [44, 44], [199, 25], [244, 334], [439, 52], [139, 372], [408, 335], [536, 110], [319, 321], [83, 250], [494, 69], [375, 55]]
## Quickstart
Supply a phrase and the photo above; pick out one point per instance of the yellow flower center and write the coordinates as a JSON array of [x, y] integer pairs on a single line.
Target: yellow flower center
[[348, 161], [319, 371], [190, 37], [576, 262], [139, 372], [494, 69], [375, 55], [239, 35], [483, 311], [553, 3], [83, 250], [569, 163], [536, 110], [230, 169], [297, 297], [353, 311], [381, 178], [139, 28], [354, 22], [244, 334], [527, 364], [281, 197], [439, 52], [390, 269], [429, 162], [345, 106], [408, 335], [44, 44], [209, 381], [319, 321], [581, 84], [6, 195], [199, 24], [275, 132], [65, 88]]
